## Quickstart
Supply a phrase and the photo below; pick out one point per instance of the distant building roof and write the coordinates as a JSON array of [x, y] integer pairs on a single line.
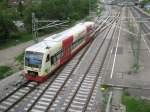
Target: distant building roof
[[19, 25], [14, 2]]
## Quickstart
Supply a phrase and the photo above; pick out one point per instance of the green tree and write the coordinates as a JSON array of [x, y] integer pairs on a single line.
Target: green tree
[[57, 9], [20, 8], [143, 2], [6, 27]]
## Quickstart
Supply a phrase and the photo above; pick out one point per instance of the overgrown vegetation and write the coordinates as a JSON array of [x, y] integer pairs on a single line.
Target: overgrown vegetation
[[143, 2], [20, 58], [4, 71], [134, 46], [105, 96], [135, 104], [24, 37], [71, 10]]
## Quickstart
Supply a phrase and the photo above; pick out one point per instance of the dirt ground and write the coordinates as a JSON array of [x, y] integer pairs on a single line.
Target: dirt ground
[[7, 56]]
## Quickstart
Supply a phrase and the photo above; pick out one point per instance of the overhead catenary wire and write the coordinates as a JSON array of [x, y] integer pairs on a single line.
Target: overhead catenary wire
[[48, 24]]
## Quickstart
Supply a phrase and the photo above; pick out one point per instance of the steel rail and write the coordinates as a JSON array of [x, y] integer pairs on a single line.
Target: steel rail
[[98, 74], [61, 85], [92, 62]]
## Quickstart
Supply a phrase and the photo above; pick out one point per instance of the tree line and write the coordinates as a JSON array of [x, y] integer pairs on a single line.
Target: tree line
[[143, 2], [71, 10]]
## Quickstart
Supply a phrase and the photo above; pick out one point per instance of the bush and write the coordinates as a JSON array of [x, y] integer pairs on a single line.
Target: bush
[[71, 10], [20, 58], [56, 9], [4, 71], [6, 25], [143, 2], [134, 104]]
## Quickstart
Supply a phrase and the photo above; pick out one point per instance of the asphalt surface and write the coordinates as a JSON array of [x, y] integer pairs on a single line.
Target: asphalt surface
[[122, 73], [118, 70]]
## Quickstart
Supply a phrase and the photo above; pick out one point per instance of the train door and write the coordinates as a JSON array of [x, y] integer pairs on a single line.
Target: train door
[[47, 64], [66, 49]]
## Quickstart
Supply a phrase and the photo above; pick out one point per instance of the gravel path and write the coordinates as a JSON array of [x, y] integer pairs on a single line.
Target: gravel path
[[10, 83]]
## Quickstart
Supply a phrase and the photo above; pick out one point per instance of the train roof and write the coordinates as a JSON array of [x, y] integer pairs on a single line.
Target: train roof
[[61, 36], [53, 40], [41, 46]]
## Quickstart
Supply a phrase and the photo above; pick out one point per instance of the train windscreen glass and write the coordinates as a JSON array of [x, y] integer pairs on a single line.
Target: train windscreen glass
[[33, 59]]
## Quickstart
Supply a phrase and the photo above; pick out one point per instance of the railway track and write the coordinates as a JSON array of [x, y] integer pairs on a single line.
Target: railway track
[[19, 95], [13, 99], [145, 26], [44, 103], [16, 96], [83, 93], [52, 95]]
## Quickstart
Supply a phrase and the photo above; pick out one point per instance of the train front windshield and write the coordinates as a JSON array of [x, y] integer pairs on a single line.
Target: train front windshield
[[33, 59]]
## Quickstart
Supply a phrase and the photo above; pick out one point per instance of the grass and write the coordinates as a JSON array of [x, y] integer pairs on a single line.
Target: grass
[[88, 18], [20, 58], [134, 45], [15, 41], [148, 11], [135, 104], [4, 71]]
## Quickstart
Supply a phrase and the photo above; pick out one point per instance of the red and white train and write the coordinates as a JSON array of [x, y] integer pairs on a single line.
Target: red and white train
[[44, 57]]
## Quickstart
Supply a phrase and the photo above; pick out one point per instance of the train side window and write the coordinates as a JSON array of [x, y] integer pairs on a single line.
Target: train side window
[[61, 53], [57, 56], [77, 42], [47, 58]]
